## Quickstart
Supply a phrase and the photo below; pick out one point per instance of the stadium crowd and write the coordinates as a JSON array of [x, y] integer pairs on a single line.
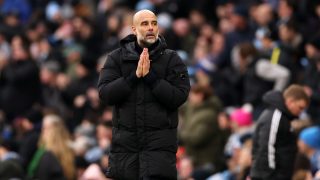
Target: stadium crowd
[[53, 125]]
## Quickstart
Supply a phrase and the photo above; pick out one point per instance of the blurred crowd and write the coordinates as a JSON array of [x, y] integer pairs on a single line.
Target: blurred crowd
[[52, 124]]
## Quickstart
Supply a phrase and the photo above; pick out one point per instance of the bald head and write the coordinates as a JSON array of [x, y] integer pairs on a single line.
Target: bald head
[[145, 27], [141, 14]]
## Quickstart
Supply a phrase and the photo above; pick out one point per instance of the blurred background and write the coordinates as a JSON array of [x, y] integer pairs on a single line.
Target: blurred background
[[51, 53]]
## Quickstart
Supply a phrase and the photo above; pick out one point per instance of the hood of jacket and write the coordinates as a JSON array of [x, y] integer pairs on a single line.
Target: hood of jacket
[[128, 45], [276, 100]]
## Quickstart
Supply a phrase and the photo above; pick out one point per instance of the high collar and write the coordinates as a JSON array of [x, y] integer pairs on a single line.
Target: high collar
[[139, 49], [131, 49]]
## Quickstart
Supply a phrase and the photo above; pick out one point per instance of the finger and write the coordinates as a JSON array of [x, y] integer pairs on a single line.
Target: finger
[[142, 53], [142, 57], [146, 64], [145, 51]]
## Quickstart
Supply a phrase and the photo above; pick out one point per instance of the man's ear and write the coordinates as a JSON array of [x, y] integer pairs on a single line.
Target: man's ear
[[134, 30]]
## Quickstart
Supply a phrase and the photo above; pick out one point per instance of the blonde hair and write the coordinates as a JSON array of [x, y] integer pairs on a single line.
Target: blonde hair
[[56, 138], [296, 92]]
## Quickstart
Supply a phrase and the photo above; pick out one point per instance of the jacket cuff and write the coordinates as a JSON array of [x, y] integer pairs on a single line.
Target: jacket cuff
[[151, 79], [132, 79]]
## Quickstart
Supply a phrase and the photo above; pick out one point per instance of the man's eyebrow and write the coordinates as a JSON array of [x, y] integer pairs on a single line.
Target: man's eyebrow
[[153, 21]]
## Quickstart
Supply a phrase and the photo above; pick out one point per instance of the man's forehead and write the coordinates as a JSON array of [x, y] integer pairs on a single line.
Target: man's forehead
[[144, 15]]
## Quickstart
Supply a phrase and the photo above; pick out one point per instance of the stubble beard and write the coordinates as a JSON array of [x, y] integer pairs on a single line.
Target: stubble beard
[[145, 42]]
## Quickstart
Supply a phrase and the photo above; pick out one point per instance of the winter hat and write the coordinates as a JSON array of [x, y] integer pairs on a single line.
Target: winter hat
[[242, 117], [311, 136]]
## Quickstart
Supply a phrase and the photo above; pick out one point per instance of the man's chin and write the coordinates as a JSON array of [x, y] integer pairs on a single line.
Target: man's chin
[[149, 42]]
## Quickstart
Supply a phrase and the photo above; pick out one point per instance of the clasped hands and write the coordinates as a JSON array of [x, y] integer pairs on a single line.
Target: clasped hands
[[143, 64]]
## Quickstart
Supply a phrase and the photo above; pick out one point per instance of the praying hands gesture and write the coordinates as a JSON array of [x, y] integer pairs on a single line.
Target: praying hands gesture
[[143, 64]]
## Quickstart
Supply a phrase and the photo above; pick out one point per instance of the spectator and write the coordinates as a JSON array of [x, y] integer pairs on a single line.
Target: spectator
[[54, 159], [51, 95], [21, 81], [10, 167], [311, 78], [242, 33], [242, 122], [252, 76], [200, 132], [103, 136], [31, 126], [185, 168], [291, 49], [11, 25], [309, 145], [286, 9], [264, 16]]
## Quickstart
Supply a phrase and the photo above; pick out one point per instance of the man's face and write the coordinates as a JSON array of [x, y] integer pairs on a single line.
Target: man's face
[[296, 106], [145, 27]]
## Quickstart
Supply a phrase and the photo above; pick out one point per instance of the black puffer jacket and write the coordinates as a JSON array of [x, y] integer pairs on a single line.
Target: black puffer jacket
[[274, 143], [145, 118]]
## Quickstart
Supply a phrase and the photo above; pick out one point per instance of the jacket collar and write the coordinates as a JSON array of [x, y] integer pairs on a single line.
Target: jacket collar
[[129, 52], [276, 100]]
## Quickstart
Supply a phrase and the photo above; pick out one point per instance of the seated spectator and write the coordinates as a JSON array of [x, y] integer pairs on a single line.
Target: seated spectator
[[21, 84], [309, 145], [242, 122], [54, 159], [10, 166], [30, 126], [312, 78], [200, 132]]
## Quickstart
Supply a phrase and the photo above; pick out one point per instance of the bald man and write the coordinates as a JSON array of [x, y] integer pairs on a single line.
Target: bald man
[[145, 83]]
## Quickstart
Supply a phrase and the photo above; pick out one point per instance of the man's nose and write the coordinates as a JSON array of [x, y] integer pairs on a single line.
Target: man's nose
[[150, 27]]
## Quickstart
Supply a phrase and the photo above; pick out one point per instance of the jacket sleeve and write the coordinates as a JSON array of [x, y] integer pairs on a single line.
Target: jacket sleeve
[[113, 87], [173, 91], [273, 72]]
